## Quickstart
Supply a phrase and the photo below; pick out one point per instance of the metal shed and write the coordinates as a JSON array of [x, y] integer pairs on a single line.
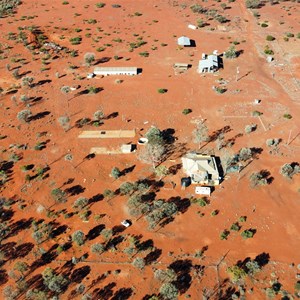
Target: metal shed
[[115, 71]]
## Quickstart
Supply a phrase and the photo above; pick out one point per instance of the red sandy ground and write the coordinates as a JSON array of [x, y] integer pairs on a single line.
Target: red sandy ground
[[272, 210]]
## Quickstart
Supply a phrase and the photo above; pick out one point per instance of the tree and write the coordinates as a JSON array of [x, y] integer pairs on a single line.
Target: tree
[[154, 136], [65, 90], [161, 171], [252, 267], [127, 188], [169, 291], [231, 53], [250, 128], [289, 170], [245, 154], [55, 283], [64, 122], [236, 273], [253, 3], [97, 248], [200, 134], [115, 173], [80, 203], [27, 81], [139, 263], [167, 275], [257, 179], [59, 195], [99, 115], [78, 237], [24, 115], [89, 58]]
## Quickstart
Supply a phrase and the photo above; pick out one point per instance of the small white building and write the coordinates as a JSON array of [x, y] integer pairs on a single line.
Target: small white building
[[203, 190], [190, 26], [115, 71], [208, 63], [184, 41]]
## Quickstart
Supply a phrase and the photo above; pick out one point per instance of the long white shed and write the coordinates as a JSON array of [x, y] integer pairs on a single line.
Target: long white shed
[[115, 71]]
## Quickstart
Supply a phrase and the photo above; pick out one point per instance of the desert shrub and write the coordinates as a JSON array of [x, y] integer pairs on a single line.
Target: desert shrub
[[290, 35], [243, 219], [59, 195], [272, 142], [221, 19], [247, 234], [97, 248], [78, 237], [64, 122], [80, 203], [100, 4], [224, 234], [289, 170], [197, 8], [115, 173], [257, 179], [169, 291], [230, 53], [65, 90], [268, 51], [200, 201], [235, 227], [162, 91], [75, 40], [139, 263], [264, 25], [99, 115], [8, 7], [253, 3], [186, 111], [256, 113], [220, 89], [24, 115], [116, 5], [270, 38], [287, 116], [89, 58], [236, 273], [144, 54], [250, 128]]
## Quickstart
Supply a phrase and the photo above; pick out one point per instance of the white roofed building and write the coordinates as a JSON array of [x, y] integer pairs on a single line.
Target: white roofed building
[[115, 71], [208, 63], [202, 169], [184, 41]]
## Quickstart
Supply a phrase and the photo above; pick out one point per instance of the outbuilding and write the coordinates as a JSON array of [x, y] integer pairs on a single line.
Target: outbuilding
[[115, 71], [184, 41]]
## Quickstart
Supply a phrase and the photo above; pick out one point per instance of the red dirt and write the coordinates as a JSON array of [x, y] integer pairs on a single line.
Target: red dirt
[[271, 210]]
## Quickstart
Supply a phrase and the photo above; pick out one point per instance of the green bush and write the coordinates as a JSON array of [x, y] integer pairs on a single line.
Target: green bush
[[247, 234], [287, 116], [224, 234], [270, 38], [162, 91], [100, 4], [186, 111]]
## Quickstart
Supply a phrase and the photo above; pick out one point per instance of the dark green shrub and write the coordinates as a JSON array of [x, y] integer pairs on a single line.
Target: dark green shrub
[[270, 38]]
